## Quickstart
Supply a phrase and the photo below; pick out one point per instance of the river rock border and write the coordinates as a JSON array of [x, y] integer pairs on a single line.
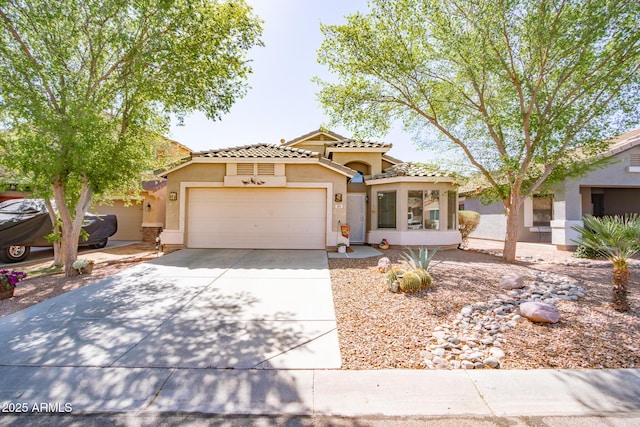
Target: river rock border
[[475, 338]]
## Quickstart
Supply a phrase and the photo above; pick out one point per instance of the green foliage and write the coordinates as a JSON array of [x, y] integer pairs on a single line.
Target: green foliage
[[422, 259], [528, 92], [426, 281], [467, 223], [583, 251], [616, 238], [86, 87], [410, 282]]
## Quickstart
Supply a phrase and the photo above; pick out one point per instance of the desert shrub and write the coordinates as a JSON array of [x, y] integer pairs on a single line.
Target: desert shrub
[[467, 223], [583, 251]]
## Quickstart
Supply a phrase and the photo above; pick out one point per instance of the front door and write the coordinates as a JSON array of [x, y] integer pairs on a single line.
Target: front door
[[356, 216]]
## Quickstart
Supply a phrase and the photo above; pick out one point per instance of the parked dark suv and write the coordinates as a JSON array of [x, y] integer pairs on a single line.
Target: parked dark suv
[[25, 223]]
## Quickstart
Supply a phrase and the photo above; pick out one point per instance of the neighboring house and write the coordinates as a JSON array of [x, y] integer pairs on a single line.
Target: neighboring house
[[12, 186], [299, 194], [612, 190], [142, 218]]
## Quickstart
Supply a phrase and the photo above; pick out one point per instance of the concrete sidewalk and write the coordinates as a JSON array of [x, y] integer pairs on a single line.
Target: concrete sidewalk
[[385, 393]]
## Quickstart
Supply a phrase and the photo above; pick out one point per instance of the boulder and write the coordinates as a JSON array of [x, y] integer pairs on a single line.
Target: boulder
[[512, 281], [539, 312], [384, 264]]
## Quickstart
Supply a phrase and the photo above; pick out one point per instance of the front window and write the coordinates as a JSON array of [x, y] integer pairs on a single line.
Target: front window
[[452, 224], [416, 200], [542, 211], [424, 210], [432, 210], [387, 209]]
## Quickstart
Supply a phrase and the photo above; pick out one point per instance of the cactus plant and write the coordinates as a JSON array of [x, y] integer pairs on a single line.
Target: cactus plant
[[410, 282], [425, 278], [420, 259], [392, 275]]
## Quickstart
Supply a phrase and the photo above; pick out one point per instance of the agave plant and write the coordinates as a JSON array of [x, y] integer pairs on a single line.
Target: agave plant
[[616, 238], [420, 259]]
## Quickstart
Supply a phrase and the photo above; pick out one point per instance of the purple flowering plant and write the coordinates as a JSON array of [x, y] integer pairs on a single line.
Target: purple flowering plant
[[9, 279]]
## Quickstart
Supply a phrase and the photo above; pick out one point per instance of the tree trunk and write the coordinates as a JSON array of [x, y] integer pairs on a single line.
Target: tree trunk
[[511, 235], [71, 226], [58, 258], [620, 285]]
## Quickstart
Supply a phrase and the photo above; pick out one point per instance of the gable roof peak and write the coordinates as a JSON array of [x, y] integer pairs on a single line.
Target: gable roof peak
[[328, 133]]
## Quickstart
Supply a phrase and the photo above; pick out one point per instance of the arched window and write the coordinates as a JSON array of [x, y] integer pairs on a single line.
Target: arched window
[[357, 179]]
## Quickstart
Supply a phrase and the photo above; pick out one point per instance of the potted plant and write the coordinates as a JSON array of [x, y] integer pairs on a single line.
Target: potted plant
[[83, 266], [342, 248], [8, 282]]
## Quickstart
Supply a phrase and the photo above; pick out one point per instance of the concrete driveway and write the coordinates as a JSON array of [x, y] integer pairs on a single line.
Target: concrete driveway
[[195, 308]]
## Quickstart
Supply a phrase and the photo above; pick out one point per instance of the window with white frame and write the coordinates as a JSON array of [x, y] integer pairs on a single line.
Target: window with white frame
[[424, 209], [542, 211], [452, 221], [387, 209]]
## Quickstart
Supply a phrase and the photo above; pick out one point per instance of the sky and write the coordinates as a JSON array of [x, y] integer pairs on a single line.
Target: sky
[[281, 102]]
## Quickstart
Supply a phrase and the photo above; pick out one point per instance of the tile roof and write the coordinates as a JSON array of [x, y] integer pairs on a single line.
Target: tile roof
[[352, 143], [411, 169], [264, 151], [154, 184], [623, 142]]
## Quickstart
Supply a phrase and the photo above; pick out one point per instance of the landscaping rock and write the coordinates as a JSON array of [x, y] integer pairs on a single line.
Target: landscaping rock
[[491, 362], [540, 312], [384, 264], [512, 281], [473, 340]]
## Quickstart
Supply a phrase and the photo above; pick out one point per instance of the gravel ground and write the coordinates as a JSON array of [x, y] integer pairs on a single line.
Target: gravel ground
[[380, 330]]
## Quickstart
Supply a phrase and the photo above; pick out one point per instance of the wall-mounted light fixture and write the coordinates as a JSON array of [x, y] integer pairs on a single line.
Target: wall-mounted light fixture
[[148, 206], [338, 197], [173, 196]]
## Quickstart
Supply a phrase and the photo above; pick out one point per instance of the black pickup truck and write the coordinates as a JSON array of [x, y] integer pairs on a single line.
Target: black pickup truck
[[25, 223]]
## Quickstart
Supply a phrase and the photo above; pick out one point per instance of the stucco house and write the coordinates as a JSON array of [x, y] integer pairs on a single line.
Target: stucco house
[[300, 194], [612, 190]]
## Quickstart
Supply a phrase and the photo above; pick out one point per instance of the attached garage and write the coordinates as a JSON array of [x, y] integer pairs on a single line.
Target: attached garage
[[257, 218]]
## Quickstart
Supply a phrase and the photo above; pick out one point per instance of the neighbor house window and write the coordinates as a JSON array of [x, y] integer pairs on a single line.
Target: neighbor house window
[[432, 209], [542, 211], [424, 209], [387, 209], [452, 223], [416, 200]]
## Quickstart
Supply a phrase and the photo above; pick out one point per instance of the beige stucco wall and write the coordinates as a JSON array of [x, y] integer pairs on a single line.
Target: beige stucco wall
[[215, 172], [192, 173], [155, 207], [314, 145], [372, 159], [317, 173]]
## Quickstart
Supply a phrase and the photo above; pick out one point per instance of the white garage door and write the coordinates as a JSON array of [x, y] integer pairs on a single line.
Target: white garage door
[[264, 218]]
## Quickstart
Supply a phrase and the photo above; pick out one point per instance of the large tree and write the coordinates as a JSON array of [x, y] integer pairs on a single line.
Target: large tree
[[515, 85], [84, 84]]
